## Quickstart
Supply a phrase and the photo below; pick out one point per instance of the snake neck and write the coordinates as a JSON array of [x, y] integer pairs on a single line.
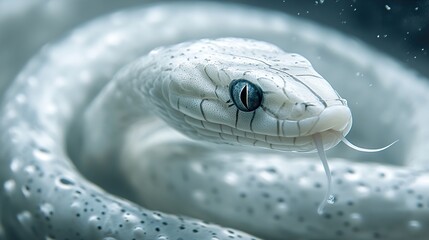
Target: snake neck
[[121, 105]]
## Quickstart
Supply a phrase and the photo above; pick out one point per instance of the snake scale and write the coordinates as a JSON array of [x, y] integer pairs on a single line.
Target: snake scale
[[270, 194]]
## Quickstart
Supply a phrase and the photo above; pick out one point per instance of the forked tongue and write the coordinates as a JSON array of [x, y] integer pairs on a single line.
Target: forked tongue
[[329, 198], [317, 138]]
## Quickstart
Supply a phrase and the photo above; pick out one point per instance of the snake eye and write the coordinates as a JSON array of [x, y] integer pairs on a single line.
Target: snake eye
[[245, 95]]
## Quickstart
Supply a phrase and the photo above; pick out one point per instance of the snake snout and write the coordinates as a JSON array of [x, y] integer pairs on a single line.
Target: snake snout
[[334, 118]]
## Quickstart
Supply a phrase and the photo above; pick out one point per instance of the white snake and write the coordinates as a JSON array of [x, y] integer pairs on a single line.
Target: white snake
[[265, 193]]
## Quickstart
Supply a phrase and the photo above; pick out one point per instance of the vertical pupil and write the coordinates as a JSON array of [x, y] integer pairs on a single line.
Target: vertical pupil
[[244, 96]]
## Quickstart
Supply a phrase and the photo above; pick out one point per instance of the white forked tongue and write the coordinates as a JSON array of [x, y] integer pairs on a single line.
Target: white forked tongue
[[360, 149], [317, 138]]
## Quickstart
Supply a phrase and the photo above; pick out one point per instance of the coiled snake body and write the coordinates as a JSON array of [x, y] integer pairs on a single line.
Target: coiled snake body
[[263, 192]]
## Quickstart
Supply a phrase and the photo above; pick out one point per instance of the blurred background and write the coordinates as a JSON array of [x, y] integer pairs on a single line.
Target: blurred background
[[397, 27]]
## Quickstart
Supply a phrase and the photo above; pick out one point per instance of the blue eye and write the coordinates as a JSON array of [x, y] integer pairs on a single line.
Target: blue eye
[[245, 95]]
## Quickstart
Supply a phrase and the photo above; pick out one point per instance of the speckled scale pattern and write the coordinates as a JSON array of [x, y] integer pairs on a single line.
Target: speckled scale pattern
[[44, 197], [281, 193]]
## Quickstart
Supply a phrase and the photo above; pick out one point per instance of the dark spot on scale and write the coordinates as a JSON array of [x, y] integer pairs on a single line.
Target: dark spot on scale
[[66, 181], [271, 170], [43, 150]]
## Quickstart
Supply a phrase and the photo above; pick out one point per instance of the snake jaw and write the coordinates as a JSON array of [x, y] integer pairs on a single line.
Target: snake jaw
[[336, 118]]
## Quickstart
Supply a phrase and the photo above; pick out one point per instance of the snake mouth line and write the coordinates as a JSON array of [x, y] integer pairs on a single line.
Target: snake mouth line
[[333, 123], [229, 135]]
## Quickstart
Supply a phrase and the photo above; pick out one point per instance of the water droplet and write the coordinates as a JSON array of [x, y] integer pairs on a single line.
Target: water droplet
[[26, 191], [162, 238], [138, 232], [387, 7], [331, 199], [199, 195], [267, 176], [42, 154], [322, 1], [414, 225], [231, 178], [75, 205], [9, 187], [363, 190], [47, 209], [156, 216], [15, 165], [30, 169], [356, 217], [24, 218], [93, 221]]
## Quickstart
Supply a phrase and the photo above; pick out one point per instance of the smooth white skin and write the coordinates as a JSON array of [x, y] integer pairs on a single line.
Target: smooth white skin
[[43, 191]]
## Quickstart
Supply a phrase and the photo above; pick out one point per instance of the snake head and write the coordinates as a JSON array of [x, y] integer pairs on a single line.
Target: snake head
[[241, 91]]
